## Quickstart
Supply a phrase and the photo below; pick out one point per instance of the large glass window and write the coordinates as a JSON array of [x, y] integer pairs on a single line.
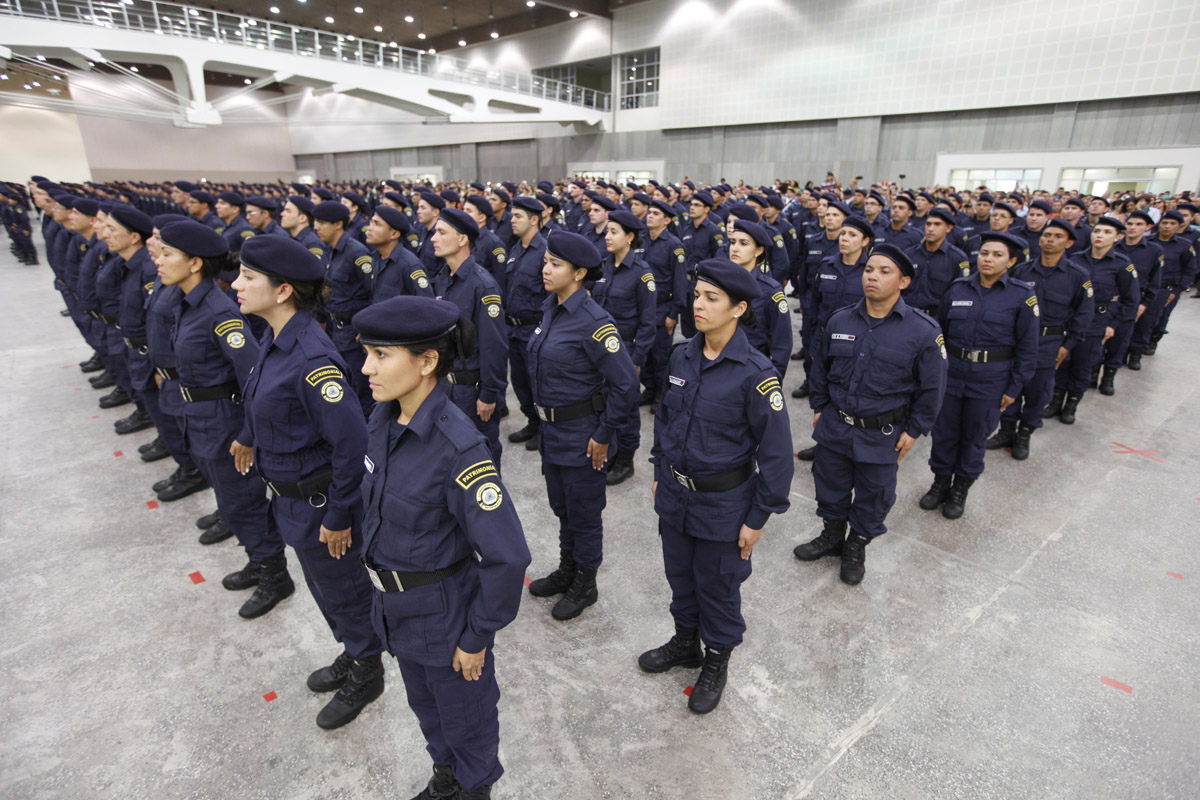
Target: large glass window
[[996, 180], [1118, 180], [639, 79]]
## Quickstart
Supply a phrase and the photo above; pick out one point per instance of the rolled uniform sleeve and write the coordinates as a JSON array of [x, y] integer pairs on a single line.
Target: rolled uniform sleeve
[[768, 420], [608, 353], [322, 388]]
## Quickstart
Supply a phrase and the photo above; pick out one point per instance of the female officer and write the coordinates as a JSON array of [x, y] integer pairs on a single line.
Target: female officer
[[213, 356], [584, 387], [771, 335], [308, 445], [441, 538], [721, 412], [626, 291], [990, 323]]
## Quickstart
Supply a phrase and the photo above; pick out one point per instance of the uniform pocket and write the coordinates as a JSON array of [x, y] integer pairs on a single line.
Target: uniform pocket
[[414, 621], [893, 365]]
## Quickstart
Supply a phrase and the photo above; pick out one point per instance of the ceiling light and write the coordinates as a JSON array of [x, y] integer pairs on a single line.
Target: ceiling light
[[530, 3], [421, 35], [252, 23], [193, 12], [41, 57], [350, 38], [3, 76], [27, 86], [133, 69], [432, 51], [462, 42], [247, 81], [35, 83], [495, 34], [358, 10], [408, 17], [574, 14], [392, 44], [379, 29], [274, 9], [329, 20], [57, 78]]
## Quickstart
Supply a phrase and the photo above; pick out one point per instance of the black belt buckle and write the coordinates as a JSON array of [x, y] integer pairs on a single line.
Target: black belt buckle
[[846, 418], [683, 480]]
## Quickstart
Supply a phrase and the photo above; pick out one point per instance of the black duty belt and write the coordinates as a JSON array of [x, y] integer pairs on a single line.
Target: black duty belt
[[225, 391], [167, 373], [309, 488], [1053, 330], [517, 322], [342, 318], [874, 423], [107, 320], [464, 378], [136, 344], [980, 356], [628, 338], [931, 311], [719, 483], [566, 413], [664, 297], [387, 580]]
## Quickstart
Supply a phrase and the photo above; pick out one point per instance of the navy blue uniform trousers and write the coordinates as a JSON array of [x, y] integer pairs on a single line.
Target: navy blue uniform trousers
[[852, 490], [706, 580], [960, 435], [577, 497]]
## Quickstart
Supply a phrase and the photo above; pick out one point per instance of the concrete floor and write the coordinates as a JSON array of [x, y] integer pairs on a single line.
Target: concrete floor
[[1043, 646]]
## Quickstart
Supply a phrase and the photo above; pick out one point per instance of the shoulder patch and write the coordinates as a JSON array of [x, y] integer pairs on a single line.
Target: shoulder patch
[[768, 385], [322, 373], [316, 251], [1131, 268], [149, 287], [490, 298], [1031, 301], [1088, 285], [475, 473], [364, 262], [605, 330], [227, 326], [247, 234]]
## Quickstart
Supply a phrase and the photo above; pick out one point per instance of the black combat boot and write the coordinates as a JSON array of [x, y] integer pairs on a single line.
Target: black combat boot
[[274, 585], [829, 543], [244, 578], [117, 397], [478, 793], [620, 469], [363, 686], [558, 581], [801, 390], [1094, 380], [1003, 437], [139, 420], [167, 481], [102, 381], [1067, 417], [189, 481], [530, 431], [1134, 360], [683, 650], [1106, 383], [706, 694], [648, 398], [1020, 447], [208, 520], [956, 500], [217, 532], [331, 678], [156, 452], [807, 454], [442, 785], [937, 493], [1156, 337], [582, 594], [854, 559], [1054, 407], [93, 364]]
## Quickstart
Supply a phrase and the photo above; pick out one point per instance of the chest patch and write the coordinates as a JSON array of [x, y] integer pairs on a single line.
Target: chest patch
[[963, 303], [842, 337], [680, 382], [827, 277]]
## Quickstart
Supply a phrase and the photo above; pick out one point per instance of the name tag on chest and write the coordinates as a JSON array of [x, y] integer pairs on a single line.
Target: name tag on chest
[[843, 337], [680, 382], [825, 277], [370, 465], [963, 303]]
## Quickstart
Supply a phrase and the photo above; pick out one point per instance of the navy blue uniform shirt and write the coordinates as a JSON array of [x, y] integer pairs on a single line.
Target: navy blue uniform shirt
[[1148, 258], [524, 293], [399, 273], [771, 334], [1003, 317], [626, 291], [837, 285], [668, 262], [1115, 285], [348, 269], [237, 232], [1179, 263], [1064, 294], [936, 270], [477, 296]]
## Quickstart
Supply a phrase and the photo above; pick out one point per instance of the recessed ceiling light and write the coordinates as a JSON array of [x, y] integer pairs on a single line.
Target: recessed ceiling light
[[421, 35], [358, 9], [495, 34], [41, 57], [248, 81], [574, 14], [462, 42], [392, 44], [133, 69], [530, 3], [379, 29], [329, 20], [408, 17], [432, 51], [35, 83], [274, 9]]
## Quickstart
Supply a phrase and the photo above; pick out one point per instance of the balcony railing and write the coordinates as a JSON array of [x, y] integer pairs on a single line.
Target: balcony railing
[[174, 19]]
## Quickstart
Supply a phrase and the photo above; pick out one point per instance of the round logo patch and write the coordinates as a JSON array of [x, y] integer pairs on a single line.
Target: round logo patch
[[612, 344], [493, 310], [366, 268], [489, 497], [776, 401], [783, 308], [500, 258], [944, 356], [235, 340], [424, 284], [650, 286], [331, 391]]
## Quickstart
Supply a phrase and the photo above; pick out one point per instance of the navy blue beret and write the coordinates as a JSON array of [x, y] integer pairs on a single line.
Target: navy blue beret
[[356, 198], [233, 198], [324, 194], [1173, 215], [757, 232], [185, 186], [509, 186], [861, 191], [87, 206], [1101, 199], [1016, 245], [38, 178], [573, 248], [735, 281], [194, 238], [132, 220], [604, 202], [65, 200], [903, 198], [397, 185], [1016, 198], [461, 221], [504, 196], [641, 197], [262, 202], [1005, 207], [396, 198], [548, 200], [942, 214], [1042, 205], [1110, 222], [433, 200], [545, 186], [704, 196], [302, 203], [1075, 201], [163, 220], [877, 197], [480, 202], [330, 211], [202, 196], [775, 201], [665, 208], [589, 194], [529, 204], [450, 196], [1142, 215], [302, 188], [579, 183], [985, 198], [394, 217], [405, 320], [840, 206], [626, 220], [1064, 226], [281, 256], [861, 225], [107, 207], [932, 200], [634, 186], [743, 211], [897, 256], [479, 186], [1186, 207]]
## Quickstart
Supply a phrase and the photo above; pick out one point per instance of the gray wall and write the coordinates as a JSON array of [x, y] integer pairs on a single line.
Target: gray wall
[[875, 147]]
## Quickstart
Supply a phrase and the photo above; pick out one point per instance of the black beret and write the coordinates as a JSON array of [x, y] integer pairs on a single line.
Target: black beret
[[461, 221], [705, 197], [548, 200], [450, 196], [932, 200], [1173, 215], [840, 206], [589, 194], [641, 197], [579, 183], [434, 200], [396, 198], [986, 198], [757, 232], [1142, 215], [65, 200], [405, 320], [604, 202], [302, 188], [736, 281], [861, 225], [87, 206], [1016, 245], [897, 256], [690, 185], [185, 186], [324, 194], [1041, 205], [202, 196], [626, 220], [1101, 199], [194, 238], [1186, 207], [1016, 198], [1063, 225], [233, 198], [302, 203], [1005, 207], [356, 198], [573, 248], [397, 185], [665, 208], [163, 220], [529, 204], [743, 211], [545, 186], [38, 178], [330, 211], [1110, 222], [1075, 201], [503, 195], [262, 202], [480, 202], [132, 220], [775, 200], [861, 191], [509, 186], [478, 185], [634, 186], [394, 217], [903, 198], [283, 257], [942, 214]]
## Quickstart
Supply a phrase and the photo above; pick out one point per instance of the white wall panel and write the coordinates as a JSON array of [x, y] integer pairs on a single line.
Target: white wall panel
[[1052, 163], [38, 142]]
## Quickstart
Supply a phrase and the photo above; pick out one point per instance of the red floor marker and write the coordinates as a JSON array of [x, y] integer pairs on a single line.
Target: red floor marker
[[688, 691], [269, 696], [65, 366], [528, 580], [118, 453], [151, 504], [79, 388], [97, 416], [1116, 684], [1174, 575], [1126, 450], [196, 577]]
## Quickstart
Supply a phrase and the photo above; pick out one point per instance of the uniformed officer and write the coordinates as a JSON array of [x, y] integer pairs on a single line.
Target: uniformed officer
[[584, 387], [428, 207], [667, 258], [200, 206], [1179, 270], [820, 243], [878, 378], [260, 213], [1074, 211], [597, 226], [573, 211], [626, 289], [297, 218], [501, 221], [722, 466], [1064, 294], [229, 209], [981, 221], [1035, 222], [308, 445], [937, 261], [771, 333], [702, 239], [1002, 217], [128, 230], [394, 268], [359, 220], [479, 377], [443, 543], [348, 269], [902, 230], [1147, 256], [524, 296], [487, 251], [990, 320]]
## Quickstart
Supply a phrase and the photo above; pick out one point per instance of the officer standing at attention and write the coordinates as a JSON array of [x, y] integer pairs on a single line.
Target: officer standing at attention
[[501, 221], [260, 213], [990, 322], [488, 251], [597, 226], [1064, 293], [584, 388], [308, 445], [702, 239], [1148, 258], [357, 206], [297, 219], [1035, 222], [394, 268], [573, 212], [771, 332], [820, 243], [1074, 211], [348, 267], [938, 262], [667, 259], [626, 290], [132, 228], [899, 232], [428, 208], [478, 376], [524, 297], [1001, 220], [721, 415], [981, 222], [442, 541], [877, 381], [1179, 270], [200, 206], [230, 208]]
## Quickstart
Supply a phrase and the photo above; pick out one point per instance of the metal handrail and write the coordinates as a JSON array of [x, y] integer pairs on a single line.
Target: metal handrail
[[175, 19]]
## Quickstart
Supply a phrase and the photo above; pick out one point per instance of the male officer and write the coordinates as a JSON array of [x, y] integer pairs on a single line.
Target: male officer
[[1035, 222], [877, 384], [488, 251], [296, 218], [899, 231], [778, 256], [501, 221], [1073, 211], [394, 268], [357, 205], [429, 206], [981, 222], [573, 212], [1002, 217], [200, 205], [1064, 294], [260, 213], [1148, 257], [938, 262], [702, 239], [1178, 272], [668, 262], [230, 206], [524, 294], [597, 224], [820, 242]]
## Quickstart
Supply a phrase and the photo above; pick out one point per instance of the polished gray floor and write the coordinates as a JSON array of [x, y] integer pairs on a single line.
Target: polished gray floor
[[1043, 646]]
